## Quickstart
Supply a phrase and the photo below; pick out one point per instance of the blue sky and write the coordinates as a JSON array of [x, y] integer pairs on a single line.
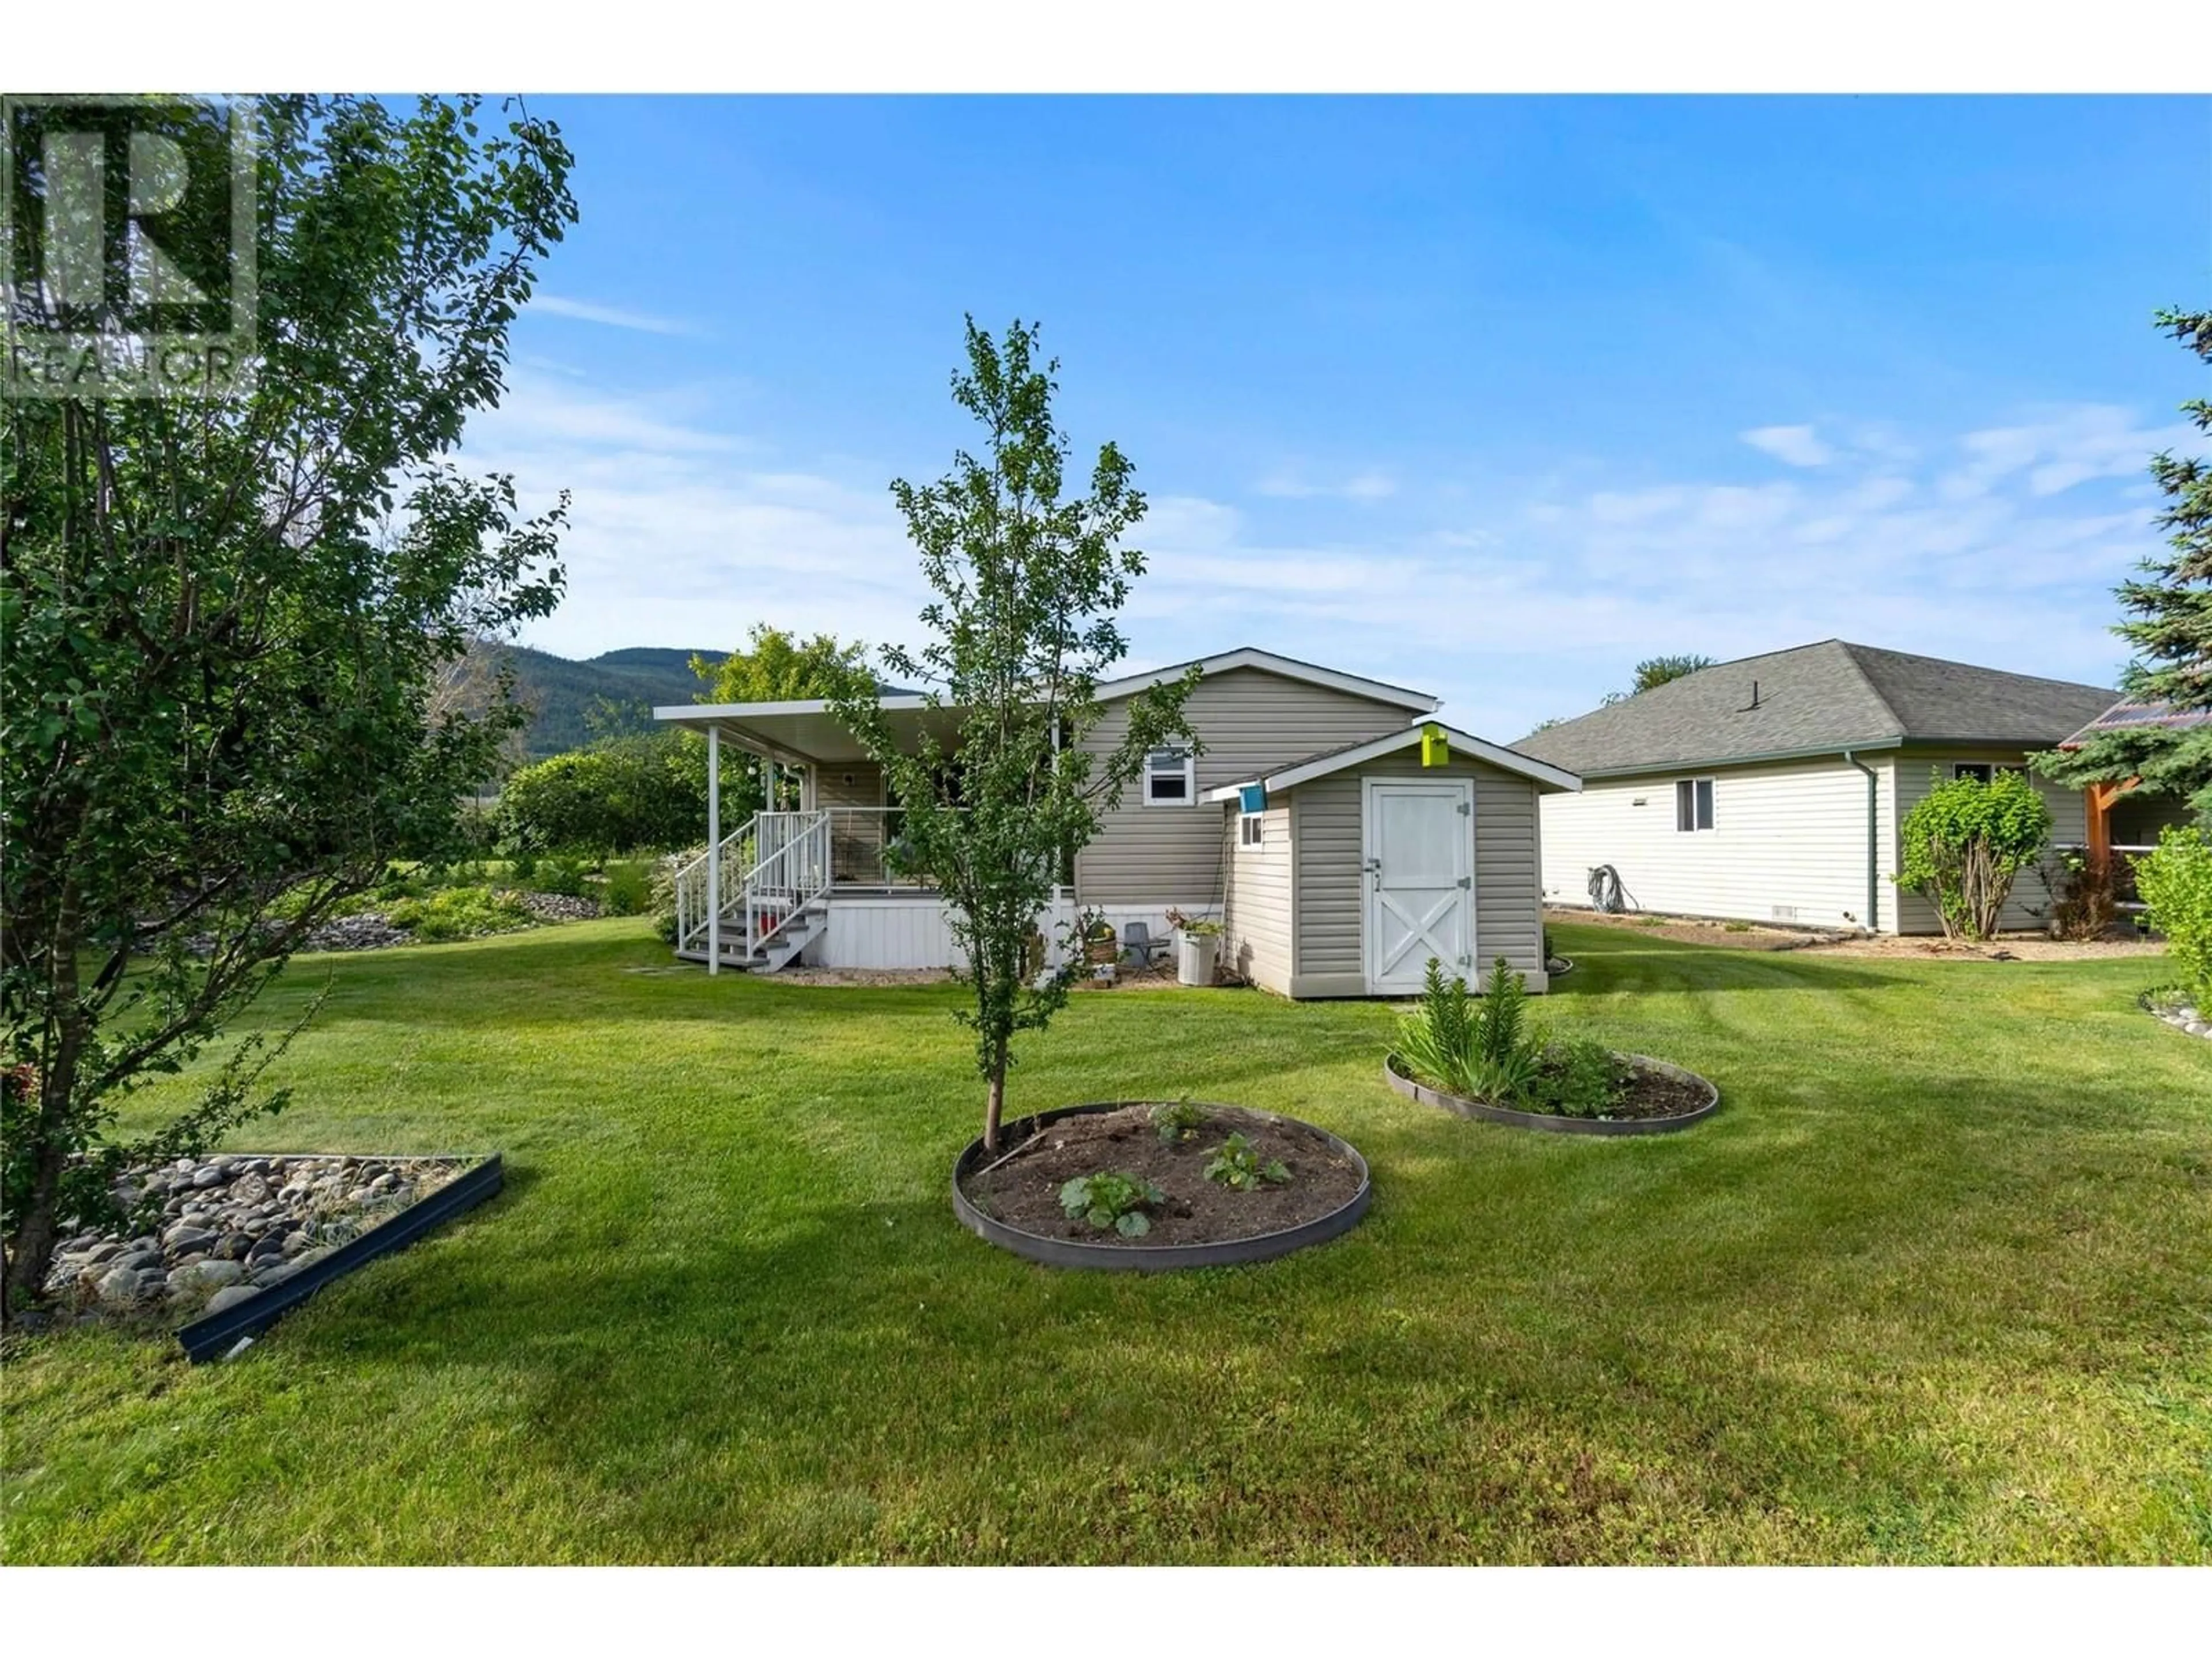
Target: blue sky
[[1489, 396]]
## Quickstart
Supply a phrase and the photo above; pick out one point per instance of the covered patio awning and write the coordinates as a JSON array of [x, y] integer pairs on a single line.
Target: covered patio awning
[[806, 732]]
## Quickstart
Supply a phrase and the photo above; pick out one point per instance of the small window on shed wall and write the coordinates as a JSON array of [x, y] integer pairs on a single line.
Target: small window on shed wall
[[1251, 830], [1693, 804]]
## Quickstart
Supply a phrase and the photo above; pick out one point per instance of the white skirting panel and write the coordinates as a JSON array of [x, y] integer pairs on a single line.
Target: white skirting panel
[[886, 932], [905, 931]]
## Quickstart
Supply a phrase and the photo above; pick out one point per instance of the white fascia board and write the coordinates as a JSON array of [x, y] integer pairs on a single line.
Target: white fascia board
[[709, 713], [1288, 667], [1463, 743]]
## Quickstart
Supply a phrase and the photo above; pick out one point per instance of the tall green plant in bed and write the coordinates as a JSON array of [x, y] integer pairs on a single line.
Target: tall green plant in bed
[[1488, 1049]]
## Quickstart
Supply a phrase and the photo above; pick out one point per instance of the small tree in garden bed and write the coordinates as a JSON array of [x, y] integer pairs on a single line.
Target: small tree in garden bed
[[2175, 880], [1966, 843], [1028, 587]]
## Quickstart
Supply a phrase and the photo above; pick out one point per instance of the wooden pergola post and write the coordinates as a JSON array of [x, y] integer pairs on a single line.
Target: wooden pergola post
[[2098, 798]]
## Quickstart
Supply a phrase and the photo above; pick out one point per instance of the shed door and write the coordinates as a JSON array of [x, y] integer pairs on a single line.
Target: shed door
[[1419, 839]]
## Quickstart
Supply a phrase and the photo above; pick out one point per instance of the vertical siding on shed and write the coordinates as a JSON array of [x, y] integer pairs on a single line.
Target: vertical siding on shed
[[2029, 906], [1332, 889], [1256, 932], [1788, 844], [1248, 721]]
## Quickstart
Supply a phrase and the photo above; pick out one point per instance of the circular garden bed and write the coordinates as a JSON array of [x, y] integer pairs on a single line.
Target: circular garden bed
[[1658, 1097], [1126, 1184]]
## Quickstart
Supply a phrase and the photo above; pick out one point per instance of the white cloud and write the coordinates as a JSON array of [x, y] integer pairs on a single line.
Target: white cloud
[[586, 311], [1369, 485], [1526, 601], [1799, 445]]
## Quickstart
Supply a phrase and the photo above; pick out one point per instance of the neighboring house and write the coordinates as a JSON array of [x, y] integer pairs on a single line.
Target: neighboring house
[[1357, 863], [2123, 819], [1770, 789]]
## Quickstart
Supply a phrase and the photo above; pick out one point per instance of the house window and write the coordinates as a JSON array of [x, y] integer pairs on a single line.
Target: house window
[[1693, 804], [1168, 778], [1251, 830], [1979, 771]]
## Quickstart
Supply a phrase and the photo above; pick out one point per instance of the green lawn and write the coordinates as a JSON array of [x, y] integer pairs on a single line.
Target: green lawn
[[1935, 1285]]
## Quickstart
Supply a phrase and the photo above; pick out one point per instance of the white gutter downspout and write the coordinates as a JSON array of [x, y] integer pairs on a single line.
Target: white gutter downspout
[[1874, 840]]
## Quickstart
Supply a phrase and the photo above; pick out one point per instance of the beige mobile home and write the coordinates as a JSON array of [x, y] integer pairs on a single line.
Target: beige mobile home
[[1770, 789], [1365, 850]]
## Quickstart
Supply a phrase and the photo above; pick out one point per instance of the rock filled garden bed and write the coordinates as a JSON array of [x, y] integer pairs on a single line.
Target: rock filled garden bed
[[230, 1227], [2181, 1010], [1142, 1183]]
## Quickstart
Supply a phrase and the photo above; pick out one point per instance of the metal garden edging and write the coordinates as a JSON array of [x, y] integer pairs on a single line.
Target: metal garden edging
[[215, 1334], [1549, 1124], [1158, 1258]]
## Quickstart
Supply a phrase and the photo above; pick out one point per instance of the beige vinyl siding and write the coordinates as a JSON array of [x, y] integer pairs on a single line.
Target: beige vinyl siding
[[1332, 889], [1248, 721], [2029, 907], [832, 788], [856, 840], [1788, 844], [1256, 922]]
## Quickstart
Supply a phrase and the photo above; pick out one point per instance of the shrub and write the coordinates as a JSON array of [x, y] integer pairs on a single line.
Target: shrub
[[563, 877], [1113, 1199], [2175, 880], [1487, 1050], [660, 892], [621, 795], [459, 913], [1966, 843], [2084, 900], [628, 891]]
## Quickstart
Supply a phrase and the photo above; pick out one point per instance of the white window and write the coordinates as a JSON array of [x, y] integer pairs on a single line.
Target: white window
[[1251, 830], [1693, 804], [1979, 771], [1170, 778]]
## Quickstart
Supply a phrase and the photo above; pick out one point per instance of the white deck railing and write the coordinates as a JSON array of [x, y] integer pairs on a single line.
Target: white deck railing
[[738, 856], [793, 872]]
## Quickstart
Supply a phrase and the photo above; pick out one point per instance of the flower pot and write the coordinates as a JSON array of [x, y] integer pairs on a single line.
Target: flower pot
[[1195, 954]]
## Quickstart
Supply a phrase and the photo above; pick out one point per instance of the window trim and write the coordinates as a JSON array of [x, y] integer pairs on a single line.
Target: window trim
[[1189, 796], [1695, 786], [1251, 831]]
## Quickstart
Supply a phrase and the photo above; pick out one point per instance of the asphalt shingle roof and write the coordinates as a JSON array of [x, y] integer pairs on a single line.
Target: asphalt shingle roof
[[1818, 699]]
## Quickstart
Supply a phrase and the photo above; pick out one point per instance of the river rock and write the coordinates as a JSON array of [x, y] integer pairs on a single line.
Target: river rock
[[230, 1297]]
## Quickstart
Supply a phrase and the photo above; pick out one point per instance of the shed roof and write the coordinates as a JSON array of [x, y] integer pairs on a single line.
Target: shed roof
[[1544, 774], [1814, 700]]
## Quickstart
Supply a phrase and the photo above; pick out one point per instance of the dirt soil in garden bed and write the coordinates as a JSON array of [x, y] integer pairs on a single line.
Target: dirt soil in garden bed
[[1654, 1094], [1025, 1191]]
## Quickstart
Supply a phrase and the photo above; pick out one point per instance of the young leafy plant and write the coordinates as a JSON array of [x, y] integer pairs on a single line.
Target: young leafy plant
[[1113, 1199], [1235, 1164], [1178, 1121], [1577, 1076]]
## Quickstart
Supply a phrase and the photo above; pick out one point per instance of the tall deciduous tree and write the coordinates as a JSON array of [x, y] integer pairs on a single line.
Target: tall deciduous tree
[[225, 625], [2169, 624], [1655, 671], [1029, 587], [774, 666]]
